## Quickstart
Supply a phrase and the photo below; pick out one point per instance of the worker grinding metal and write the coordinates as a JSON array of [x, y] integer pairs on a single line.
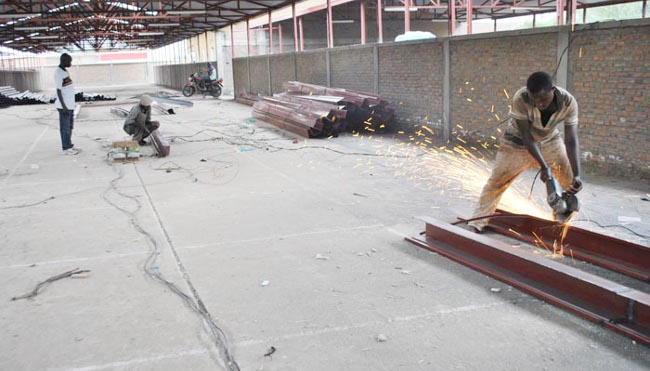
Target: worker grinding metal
[[138, 123], [532, 139]]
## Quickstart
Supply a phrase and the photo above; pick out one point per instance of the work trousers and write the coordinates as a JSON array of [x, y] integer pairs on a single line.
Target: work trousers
[[139, 132], [66, 124], [511, 161]]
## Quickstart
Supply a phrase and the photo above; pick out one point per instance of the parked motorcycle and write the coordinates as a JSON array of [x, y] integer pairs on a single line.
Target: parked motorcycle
[[196, 84]]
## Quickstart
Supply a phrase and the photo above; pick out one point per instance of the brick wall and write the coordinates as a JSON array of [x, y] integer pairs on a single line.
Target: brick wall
[[411, 77], [353, 69], [609, 76], [484, 70], [259, 75], [240, 75], [312, 67], [282, 70]]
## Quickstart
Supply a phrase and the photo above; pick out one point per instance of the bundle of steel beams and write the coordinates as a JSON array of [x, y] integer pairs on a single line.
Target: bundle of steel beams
[[315, 111], [248, 98], [611, 304], [12, 97]]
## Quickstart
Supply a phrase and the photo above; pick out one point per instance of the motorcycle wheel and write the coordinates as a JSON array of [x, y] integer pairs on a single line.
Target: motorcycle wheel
[[188, 91], [216, 92]]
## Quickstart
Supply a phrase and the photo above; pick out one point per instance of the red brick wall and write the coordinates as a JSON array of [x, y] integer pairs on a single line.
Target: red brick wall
[[411, 77], [482, 68], [609, 74], [353, 69]]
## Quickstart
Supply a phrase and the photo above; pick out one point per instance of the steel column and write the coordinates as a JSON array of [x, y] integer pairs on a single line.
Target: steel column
[[452, 17], [248, 38], [362, 15], [270, 34], [330, 25], [573, 9], [295, 27], [280, 35], [407, 16], [232, 41], [380, 27], [559, 9], [643, 9], [469, 16], [302, 38]]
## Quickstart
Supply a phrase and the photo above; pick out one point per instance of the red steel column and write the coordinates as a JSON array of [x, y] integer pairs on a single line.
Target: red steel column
[[559, 9], [380, 26], [573, 9], [469, 16], [362, 9], [643, 10], [280, 35], [270, 34], [302, 38], [232, 42], [452, 17], [248, 37], [295, 27], [330, 25], [407, 16]]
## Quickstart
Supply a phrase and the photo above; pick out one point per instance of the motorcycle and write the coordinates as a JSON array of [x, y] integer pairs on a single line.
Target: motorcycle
[[196, 83]]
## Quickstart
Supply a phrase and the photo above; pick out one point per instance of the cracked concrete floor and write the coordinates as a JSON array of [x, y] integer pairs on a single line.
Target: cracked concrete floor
[[323, 229]]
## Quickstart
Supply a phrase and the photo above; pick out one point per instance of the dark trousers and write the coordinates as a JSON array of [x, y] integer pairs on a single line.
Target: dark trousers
[[66, 124]]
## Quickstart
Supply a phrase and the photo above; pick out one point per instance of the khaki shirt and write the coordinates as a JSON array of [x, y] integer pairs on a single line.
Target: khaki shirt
[[137, 117], [523, 108]]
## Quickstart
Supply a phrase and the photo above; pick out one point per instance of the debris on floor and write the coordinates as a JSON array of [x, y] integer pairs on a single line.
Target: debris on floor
[[270, 351], [40, 285], [314, 111], [382, 338]]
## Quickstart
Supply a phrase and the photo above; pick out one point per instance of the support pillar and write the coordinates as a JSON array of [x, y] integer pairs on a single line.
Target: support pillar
[[280, 35], [232, 42], [446, 93], [248, 38], [561, 77], [362, 16], [380, 26], [295, 27], [330, 25], [559, 9], [407, 16], [573, 9], [270, 34], [302, 38], [452, 17], [470, 15]]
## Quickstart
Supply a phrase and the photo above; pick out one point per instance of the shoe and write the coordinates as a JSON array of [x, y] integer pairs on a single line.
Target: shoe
[[71, 151]]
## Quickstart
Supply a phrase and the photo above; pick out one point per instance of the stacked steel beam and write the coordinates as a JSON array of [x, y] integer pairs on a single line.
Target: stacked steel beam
[[12, 97], [315, 111], [248, 98]]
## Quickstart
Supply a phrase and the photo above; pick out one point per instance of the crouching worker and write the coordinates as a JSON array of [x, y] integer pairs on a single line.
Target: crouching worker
[[138, 123]]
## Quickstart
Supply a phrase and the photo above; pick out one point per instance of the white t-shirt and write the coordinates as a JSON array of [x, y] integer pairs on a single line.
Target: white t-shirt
[[63, 82]]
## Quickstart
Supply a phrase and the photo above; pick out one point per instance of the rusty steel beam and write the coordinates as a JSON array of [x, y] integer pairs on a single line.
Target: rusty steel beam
[[609, 252], [605, 302]]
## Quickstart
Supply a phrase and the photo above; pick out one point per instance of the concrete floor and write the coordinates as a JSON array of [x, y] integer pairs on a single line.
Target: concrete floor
[[324, 229]]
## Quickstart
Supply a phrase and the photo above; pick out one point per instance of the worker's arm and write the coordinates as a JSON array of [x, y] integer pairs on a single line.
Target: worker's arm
[[131, 119], [533, 148]]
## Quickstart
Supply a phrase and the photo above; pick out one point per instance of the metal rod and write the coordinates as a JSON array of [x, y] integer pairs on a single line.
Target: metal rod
[[469, 17], [330, 25], [362, 15], [280, 35]]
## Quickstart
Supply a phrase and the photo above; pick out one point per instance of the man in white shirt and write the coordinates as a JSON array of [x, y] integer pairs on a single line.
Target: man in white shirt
[[65, 103], [532, 139]]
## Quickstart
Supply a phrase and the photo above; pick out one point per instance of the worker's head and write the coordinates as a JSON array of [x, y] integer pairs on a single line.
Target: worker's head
[[145, 102], [65, 60], [541, 89]]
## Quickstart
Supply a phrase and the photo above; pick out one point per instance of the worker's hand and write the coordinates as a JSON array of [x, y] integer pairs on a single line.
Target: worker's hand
[[576, 185], [546, 174], [66, 111]]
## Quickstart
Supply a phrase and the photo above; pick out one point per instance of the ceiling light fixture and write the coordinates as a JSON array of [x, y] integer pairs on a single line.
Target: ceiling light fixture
[[164, 24], [186, 12], [35, 28]]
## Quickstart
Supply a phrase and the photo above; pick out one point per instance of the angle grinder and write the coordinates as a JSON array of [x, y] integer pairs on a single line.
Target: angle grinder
[[562, 202]]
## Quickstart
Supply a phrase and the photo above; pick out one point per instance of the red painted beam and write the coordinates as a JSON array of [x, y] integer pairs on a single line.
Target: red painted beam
[[407, 16], [295, 27], [380, 26], [362, 15]]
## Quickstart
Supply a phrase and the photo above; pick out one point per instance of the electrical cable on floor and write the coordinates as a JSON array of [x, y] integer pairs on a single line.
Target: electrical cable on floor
[[218, 335]]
